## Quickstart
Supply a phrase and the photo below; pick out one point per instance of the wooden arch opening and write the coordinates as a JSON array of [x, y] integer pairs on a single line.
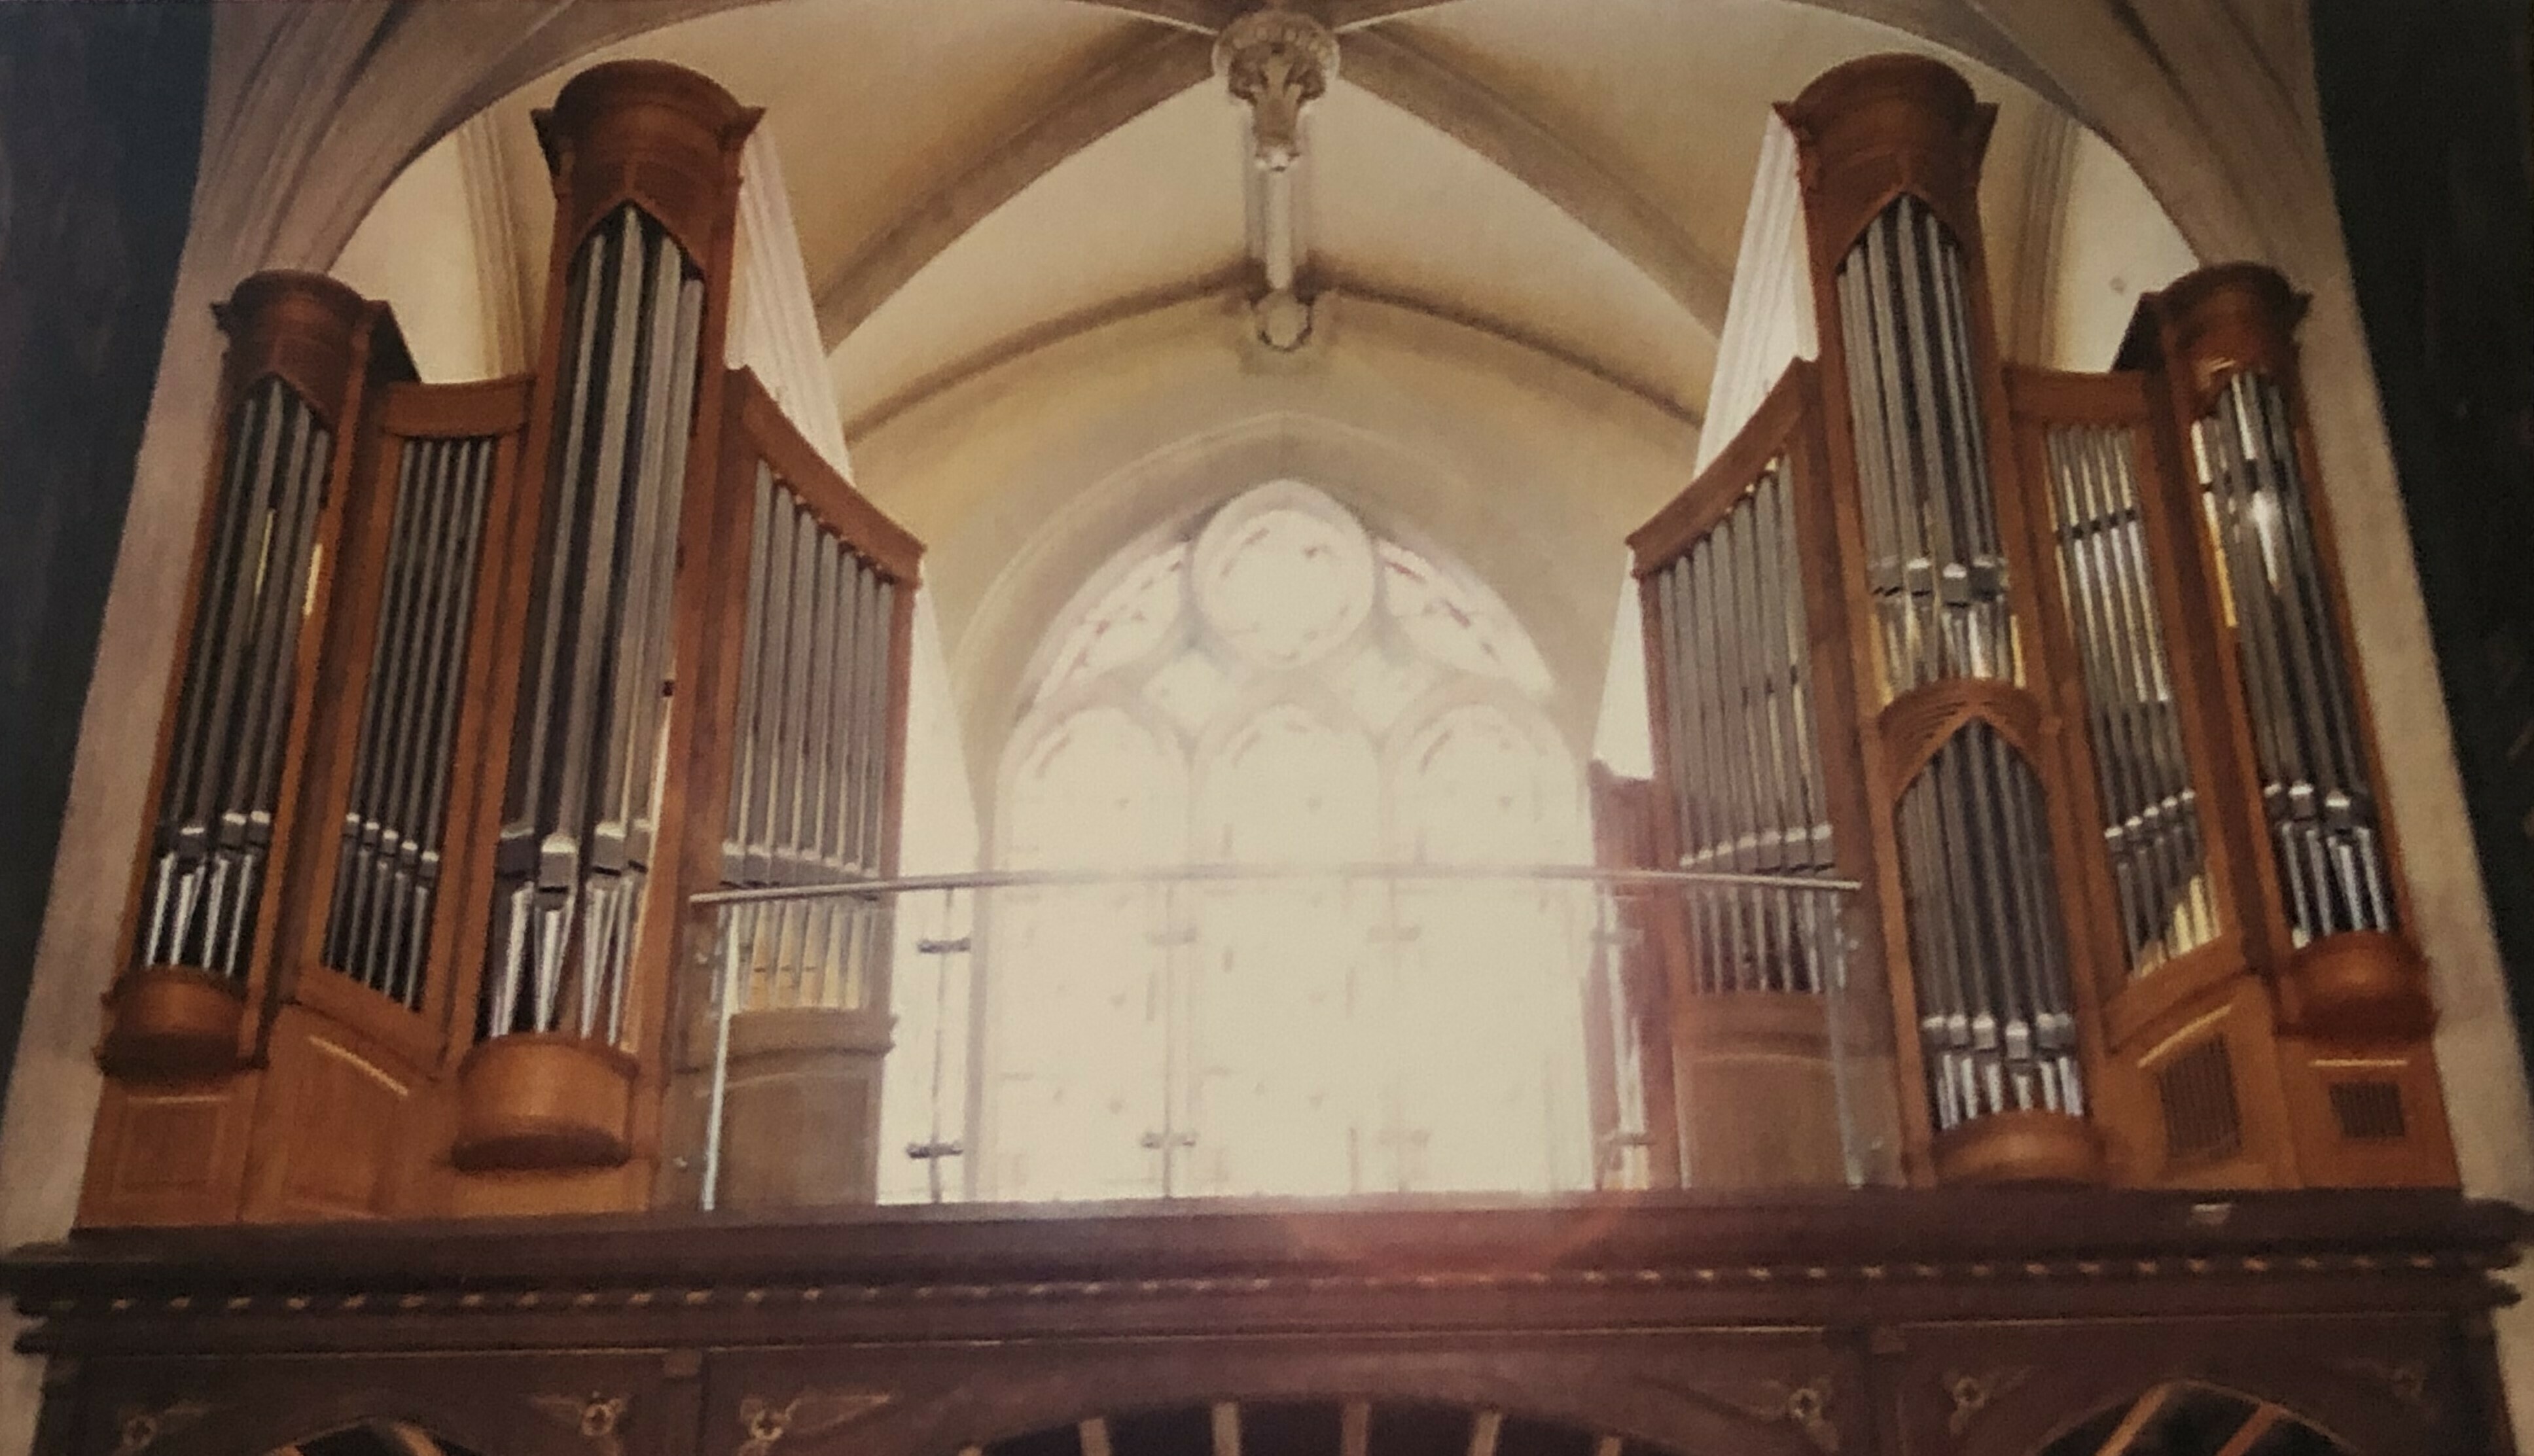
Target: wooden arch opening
[[1323, 1427], [375, 1438], [2177, 1419]]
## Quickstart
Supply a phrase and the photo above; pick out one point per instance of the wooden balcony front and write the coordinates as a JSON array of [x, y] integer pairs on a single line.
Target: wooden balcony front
[[1942, 1320]]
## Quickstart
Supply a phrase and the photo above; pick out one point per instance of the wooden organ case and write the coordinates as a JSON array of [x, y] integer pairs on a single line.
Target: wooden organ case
[[473, 675], [2057, 665]]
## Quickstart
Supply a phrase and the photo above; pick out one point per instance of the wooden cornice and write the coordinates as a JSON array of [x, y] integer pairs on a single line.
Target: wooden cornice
[[1838, 1257]]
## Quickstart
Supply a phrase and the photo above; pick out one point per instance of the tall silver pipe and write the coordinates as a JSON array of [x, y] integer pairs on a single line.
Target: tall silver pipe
[[575, 843], [448, 673], [1934, 563], [1729, 637], [360, 828], [2315, 788], [380, 913], [1996, 1004]]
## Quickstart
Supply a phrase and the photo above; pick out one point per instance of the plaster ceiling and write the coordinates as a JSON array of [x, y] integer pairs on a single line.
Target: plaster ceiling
[[1570, 176], [1029, 225], [1150, 209]]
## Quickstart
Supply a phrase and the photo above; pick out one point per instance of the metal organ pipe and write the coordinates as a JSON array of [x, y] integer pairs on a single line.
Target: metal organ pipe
[[809, 785], [576, 843], [1747, 788], [2315, 789], [1936, 569], [1996, 1008], [2151, 810], [216, 810], [388, 871]]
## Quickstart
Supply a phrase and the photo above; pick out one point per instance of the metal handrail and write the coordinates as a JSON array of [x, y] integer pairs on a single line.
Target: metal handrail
[[1210, 873], [878, 888]]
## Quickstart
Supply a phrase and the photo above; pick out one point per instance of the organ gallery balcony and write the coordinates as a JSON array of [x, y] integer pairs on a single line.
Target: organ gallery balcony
[[1339, 1031], [1987, 1024], [2023, 1322]]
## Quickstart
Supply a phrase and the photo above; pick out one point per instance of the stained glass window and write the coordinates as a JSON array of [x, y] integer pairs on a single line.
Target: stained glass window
[[1282, 698]]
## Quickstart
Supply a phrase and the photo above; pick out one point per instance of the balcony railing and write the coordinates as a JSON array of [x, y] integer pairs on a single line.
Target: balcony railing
[[1235, 1029]]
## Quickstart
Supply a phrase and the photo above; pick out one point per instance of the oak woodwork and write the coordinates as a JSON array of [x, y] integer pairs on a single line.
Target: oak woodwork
[[836, 1065], [338, 1119], [2025, 1145], [297, 1091], [1755, 1077], [337, 350], [2189, 338], [2351, 1010], [180, 1043], [431, 1037], [1973, 1320], [652, 134], [544, 1101], [172, 1021], [1866, 132], [667, 141]]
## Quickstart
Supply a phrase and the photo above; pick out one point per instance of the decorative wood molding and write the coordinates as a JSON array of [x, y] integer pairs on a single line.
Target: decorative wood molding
[[1974, 1393], [2406, 1380], [811, 1413], [138, 1428], [596, 1416], [1769, 1402], [1889, 1241]]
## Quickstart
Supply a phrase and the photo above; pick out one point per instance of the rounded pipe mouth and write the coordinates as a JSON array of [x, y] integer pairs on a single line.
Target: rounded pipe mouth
[[174, 1024], [543, 1102], [2030, 1145]]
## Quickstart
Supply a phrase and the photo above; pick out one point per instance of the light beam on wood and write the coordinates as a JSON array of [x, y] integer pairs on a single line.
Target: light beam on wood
[[2250, 1433], [2126, 1435], [1354, 1429]]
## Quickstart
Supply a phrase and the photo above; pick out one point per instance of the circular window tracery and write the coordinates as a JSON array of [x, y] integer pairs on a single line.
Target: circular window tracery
[[1284, 574]]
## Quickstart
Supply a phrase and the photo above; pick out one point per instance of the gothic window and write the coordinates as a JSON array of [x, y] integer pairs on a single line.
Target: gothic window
[[1283, 701]]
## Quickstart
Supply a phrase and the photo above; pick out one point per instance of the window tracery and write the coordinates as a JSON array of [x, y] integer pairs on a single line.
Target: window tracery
[[1280, 693]]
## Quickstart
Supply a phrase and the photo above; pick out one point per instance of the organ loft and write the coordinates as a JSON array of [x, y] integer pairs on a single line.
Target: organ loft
[[1341, 752]]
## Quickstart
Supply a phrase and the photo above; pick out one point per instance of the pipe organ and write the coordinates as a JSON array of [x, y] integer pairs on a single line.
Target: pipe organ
[[481, 682], [2056, 664], [408, 935]]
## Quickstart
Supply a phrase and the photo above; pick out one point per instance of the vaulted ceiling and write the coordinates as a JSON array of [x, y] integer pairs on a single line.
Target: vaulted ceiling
[[1030, 233], [973, 179]]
